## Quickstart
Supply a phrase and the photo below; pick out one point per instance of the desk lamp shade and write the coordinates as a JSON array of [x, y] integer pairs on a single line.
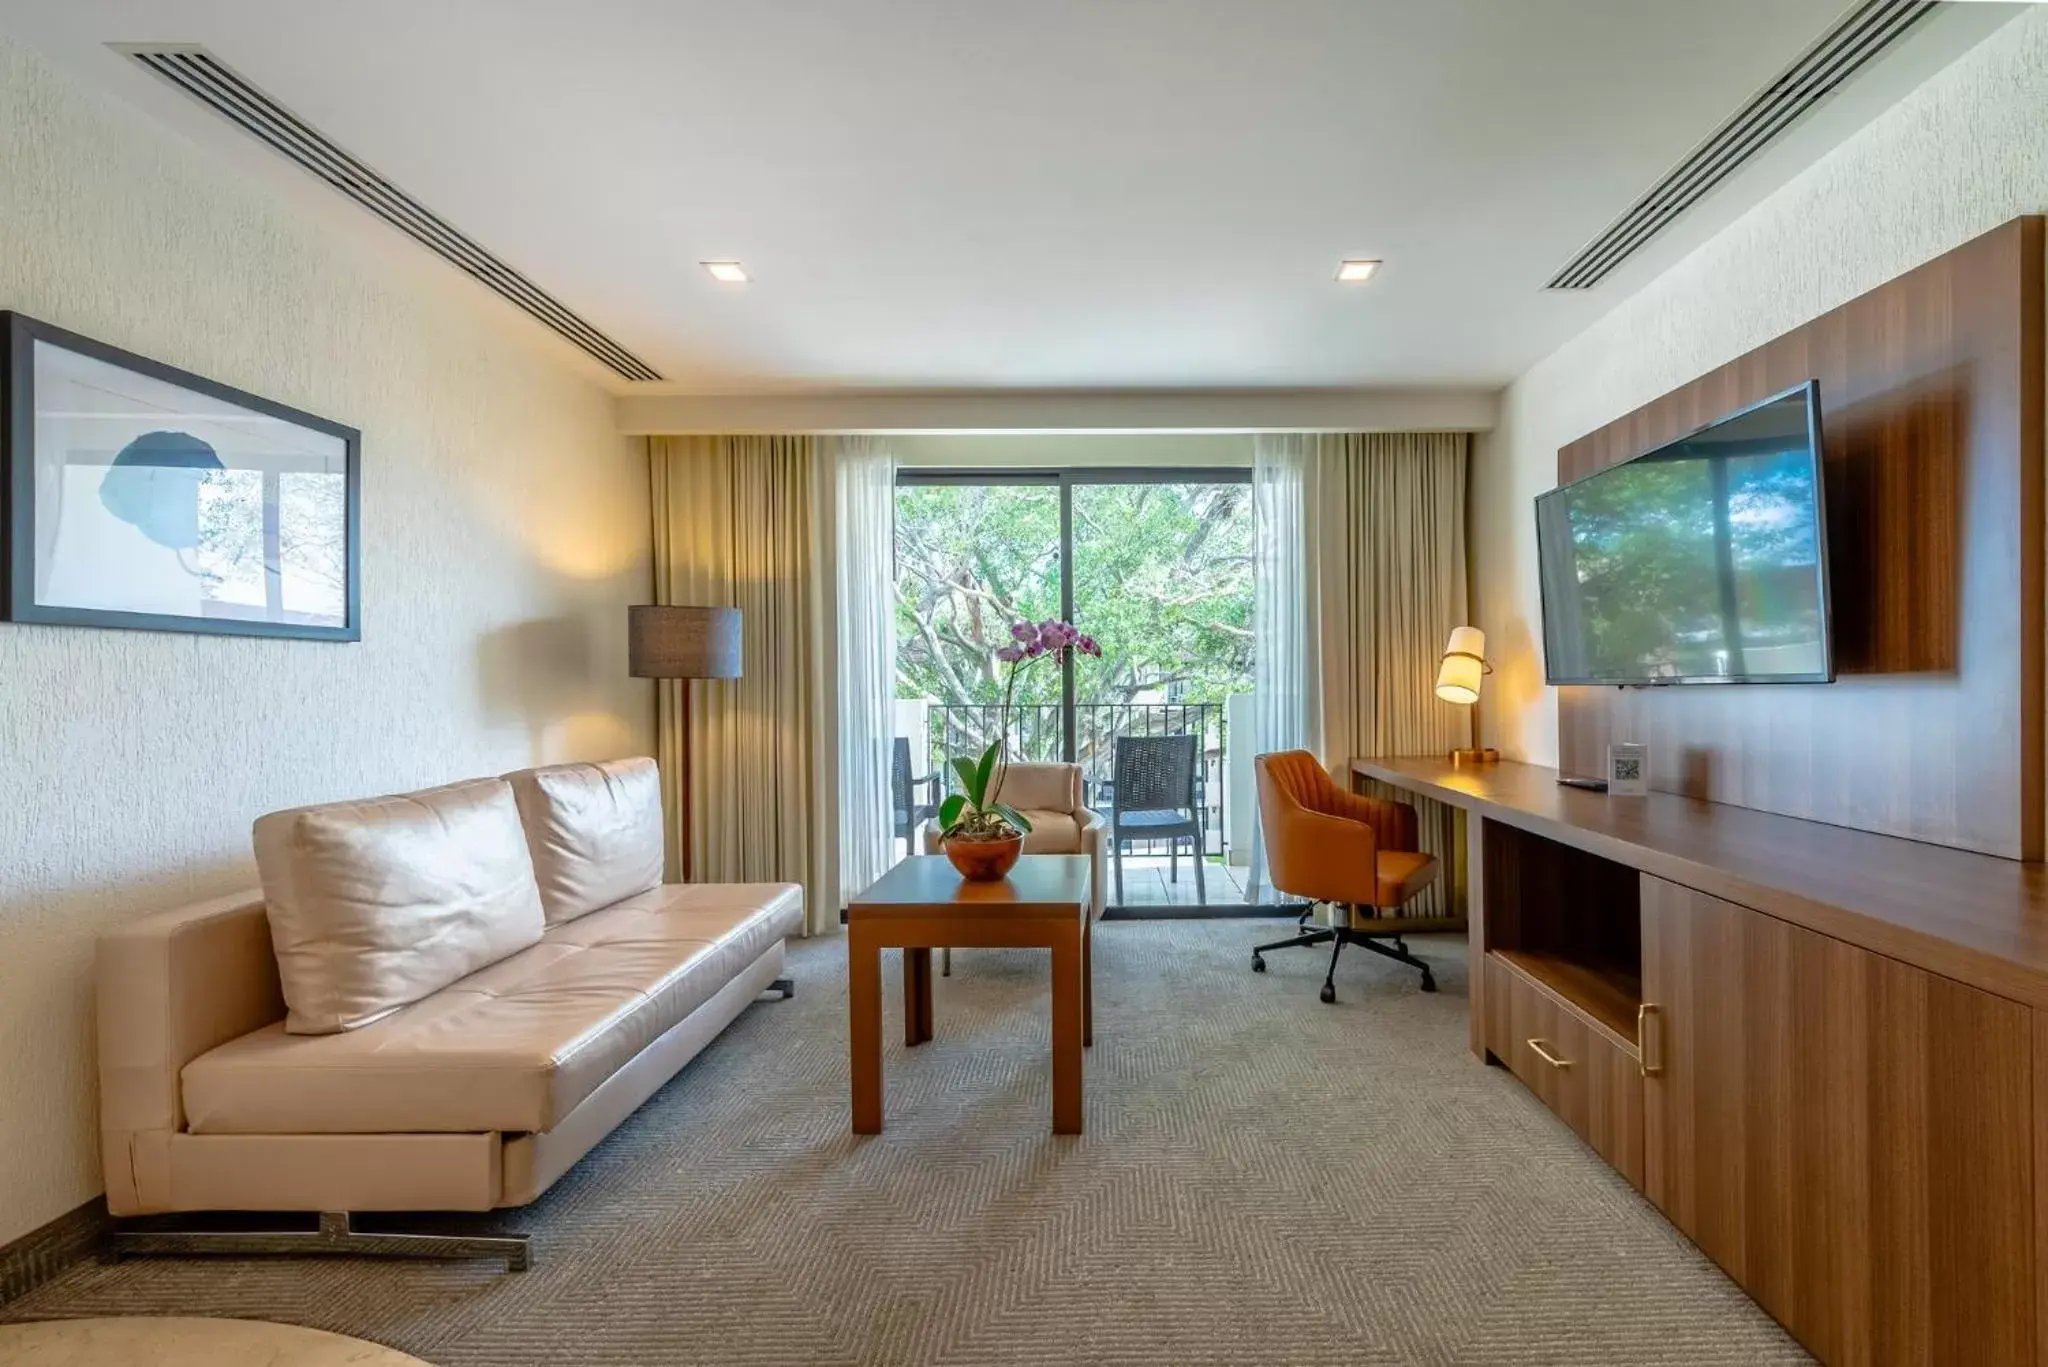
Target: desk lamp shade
[[683, 642], [1458, 678], [1464, 665]]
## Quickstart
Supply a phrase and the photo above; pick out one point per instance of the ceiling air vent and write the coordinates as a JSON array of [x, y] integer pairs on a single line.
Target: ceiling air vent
[[1857, 38], [216, 85]]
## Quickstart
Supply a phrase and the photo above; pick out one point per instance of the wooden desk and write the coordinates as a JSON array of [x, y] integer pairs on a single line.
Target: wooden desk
[[1973, 917], [1822, 1053], [924, 904]]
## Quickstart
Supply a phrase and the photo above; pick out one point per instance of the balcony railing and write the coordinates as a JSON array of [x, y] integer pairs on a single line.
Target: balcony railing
[[1038, 733]]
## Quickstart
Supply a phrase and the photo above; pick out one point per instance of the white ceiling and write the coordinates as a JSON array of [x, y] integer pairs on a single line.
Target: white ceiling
[[995, 195]]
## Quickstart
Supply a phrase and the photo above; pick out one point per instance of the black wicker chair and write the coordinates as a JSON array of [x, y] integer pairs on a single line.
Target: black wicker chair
[[910, 813], [1157, 799]]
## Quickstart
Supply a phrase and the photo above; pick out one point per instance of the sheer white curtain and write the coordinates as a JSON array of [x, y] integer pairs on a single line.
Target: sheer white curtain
[[1285, 663], [865, 555], [1359, 576]]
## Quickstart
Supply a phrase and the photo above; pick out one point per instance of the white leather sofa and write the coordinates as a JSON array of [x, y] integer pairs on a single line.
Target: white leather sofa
[[440, 1002]]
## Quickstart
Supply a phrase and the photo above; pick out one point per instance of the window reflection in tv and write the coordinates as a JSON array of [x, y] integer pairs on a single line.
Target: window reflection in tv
[[1701, 562]]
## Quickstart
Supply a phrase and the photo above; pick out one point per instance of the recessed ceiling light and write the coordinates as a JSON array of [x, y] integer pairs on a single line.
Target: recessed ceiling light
[[1357, 272], [727, 272]]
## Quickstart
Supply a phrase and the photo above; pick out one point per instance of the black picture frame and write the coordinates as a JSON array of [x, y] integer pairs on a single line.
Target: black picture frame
[[19, 335]]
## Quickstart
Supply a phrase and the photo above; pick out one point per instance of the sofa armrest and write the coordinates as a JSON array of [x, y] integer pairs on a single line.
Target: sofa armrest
[[171, 986], [1095, 844]]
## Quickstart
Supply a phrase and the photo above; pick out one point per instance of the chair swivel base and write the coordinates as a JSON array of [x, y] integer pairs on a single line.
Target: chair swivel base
[[1337, 938], [336, 1236]]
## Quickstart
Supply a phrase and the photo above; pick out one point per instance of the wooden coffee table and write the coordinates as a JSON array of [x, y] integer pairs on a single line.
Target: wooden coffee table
[[923, 904]]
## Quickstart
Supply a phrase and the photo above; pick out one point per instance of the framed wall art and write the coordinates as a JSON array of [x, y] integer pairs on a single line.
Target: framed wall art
[[141, 496]]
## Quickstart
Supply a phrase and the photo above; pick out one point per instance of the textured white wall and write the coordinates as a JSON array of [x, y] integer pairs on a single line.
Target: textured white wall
[[1964, 153], [506, 526]]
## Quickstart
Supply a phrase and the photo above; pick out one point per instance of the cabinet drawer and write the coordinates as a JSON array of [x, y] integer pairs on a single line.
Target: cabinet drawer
[[1575, 1066]]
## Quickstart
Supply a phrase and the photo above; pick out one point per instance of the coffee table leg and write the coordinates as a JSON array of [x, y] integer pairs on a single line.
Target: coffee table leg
[[1068, 952], [1088, 984], [917, 996], [864, 1028]]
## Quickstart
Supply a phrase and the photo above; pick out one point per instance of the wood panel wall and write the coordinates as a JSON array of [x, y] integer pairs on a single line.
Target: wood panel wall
[[1932, 428]]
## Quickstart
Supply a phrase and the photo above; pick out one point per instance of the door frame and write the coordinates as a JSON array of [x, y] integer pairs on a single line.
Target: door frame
[[1065, 478]]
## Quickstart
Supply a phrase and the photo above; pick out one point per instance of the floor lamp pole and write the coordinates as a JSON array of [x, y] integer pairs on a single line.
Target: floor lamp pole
[[683, 780]]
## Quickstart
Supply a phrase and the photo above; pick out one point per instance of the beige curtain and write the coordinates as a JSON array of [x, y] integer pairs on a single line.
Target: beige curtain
[[1391, 580], [746, 522]]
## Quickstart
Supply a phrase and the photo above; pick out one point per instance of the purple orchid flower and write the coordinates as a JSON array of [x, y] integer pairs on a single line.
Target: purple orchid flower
[[1050, 638]]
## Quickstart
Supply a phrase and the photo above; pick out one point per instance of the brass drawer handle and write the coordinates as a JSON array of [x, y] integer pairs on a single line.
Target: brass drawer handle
[[1643, 1014], [1552, 1059]]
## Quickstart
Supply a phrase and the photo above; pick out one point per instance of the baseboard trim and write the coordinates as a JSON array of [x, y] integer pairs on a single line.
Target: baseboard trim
[[41, 1254], [1212, 912]]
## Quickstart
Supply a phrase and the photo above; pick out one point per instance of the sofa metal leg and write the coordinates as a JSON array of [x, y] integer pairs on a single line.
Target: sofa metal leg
[[335, 1236], [786, 986]]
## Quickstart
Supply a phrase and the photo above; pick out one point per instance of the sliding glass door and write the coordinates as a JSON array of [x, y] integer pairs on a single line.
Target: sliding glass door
[[1156, 565]]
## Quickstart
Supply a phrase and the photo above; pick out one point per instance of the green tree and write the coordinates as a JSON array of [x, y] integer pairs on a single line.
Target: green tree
[[1162, 579]]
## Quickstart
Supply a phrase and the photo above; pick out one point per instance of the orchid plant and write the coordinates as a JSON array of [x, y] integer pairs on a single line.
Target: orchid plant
[[973, 813]]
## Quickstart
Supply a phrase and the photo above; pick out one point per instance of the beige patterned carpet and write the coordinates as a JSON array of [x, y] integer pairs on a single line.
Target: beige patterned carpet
[[1264, 1179]]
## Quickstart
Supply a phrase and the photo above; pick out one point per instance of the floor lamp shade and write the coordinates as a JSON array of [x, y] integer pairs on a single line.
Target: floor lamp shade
[[683, 642]]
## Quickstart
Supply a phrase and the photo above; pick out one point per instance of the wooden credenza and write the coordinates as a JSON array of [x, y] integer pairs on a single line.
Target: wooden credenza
[[1814, 1049]]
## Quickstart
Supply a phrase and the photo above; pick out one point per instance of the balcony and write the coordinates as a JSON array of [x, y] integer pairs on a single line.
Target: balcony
[[1153, 875], [1154, 564]]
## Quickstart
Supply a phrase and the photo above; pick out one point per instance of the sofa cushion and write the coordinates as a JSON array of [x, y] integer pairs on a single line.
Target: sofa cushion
[[512, 1048], [1051, 832], [594, 831], [1041, 787], [377, 903]]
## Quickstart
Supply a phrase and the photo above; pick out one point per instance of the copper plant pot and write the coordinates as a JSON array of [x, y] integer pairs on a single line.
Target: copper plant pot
[[983, 861]]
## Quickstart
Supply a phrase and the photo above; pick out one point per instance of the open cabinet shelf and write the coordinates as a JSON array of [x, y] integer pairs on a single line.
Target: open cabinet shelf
[[1607, 996]]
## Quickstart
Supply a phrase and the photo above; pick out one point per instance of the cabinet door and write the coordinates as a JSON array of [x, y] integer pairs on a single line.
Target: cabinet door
[[1848, 1136]]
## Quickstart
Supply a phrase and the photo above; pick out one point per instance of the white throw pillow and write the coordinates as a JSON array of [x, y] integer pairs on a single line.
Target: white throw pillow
[[377, 903], [594, 831]]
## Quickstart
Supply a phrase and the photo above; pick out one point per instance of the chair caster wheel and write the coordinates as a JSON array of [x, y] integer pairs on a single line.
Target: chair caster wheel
[[1329, 993], [1429, 982], [1258, 963]]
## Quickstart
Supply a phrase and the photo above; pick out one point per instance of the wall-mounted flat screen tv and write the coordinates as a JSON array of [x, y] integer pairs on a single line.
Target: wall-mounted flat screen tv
[[1704, 561]]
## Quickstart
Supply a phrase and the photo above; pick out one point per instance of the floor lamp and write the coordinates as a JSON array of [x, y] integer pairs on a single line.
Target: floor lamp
[[683, 643]]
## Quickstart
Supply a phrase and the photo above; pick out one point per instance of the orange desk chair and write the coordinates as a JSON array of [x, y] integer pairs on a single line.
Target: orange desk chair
[[1329, 845]]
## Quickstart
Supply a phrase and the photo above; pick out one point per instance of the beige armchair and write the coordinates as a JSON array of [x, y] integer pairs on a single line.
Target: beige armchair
[[1050, 796]]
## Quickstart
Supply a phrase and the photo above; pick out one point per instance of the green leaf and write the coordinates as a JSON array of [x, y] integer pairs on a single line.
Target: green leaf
[[988, 770], [1013, 816], [950, 810], [970, 780]]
